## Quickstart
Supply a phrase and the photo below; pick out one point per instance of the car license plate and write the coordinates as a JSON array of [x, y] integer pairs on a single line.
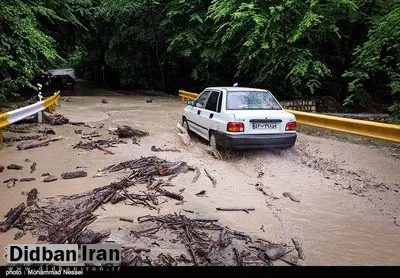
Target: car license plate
[[264, 126]]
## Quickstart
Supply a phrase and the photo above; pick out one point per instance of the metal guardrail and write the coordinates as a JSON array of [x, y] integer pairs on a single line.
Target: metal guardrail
[[23, 112], [187, 95], [383, 131]]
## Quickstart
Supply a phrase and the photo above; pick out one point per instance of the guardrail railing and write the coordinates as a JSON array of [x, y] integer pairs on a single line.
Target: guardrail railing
[[16, 115], [383, 131]]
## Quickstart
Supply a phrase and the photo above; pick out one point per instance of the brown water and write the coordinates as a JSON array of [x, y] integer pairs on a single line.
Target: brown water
[[337, 226]]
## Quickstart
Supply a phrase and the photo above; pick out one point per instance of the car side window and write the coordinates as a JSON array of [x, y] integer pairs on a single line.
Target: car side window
[[212, 101], [200, 102]]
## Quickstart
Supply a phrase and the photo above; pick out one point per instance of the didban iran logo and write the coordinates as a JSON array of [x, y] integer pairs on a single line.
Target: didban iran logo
[[63, 253]]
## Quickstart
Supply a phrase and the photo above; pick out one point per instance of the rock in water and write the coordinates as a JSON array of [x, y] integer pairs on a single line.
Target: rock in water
[[274, 251], [50, 179], [14, 167], [1, 168], [73, 175], [45, 174], [32, 196]]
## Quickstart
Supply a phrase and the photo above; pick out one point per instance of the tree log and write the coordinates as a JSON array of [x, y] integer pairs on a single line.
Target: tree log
[[14, 167], [12, 218], [31, 145], [27, 179], [125, 131], [170, 194], [73, 175], [104, 150]]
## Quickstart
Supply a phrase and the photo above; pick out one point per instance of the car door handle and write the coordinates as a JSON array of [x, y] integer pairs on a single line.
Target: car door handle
[[211, 115], [198, 112]]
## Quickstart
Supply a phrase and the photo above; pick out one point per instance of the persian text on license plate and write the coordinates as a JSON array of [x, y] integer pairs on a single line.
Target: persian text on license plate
[[264, 126]]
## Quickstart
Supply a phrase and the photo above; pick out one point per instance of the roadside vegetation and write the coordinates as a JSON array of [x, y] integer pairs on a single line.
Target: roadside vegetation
[[347, 50]]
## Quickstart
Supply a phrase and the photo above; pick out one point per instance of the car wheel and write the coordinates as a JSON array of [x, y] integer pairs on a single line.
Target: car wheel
[[213, 141], [186, 126]]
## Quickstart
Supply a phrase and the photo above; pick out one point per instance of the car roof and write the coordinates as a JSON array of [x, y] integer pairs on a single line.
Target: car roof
[[235, 89]]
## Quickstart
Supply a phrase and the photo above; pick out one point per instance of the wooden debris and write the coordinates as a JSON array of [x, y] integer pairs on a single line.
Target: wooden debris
[[104, 150], [33, 167], [291, 196], [78, 131], [77, 123], [11, 182], [238, 257], [55, 119], [27, 179], [124, 131], [101, 126], [149, 101], [32, 197], [155, 149], [126, 220], [45, 174], [1, 168], [196, 177], [37, 144], [15, 129], [104, 100], [90, 145], [19, 235], [50, 179], [47, 131], [236, 209], [12, 217], [214, 152], [25, 138], [170, 194], [73, 175], [213, 180], [299, 248], [27, 160], [201, 193], [89, 126], [183, 134], [90, 135], [14, 167], [290, 259], [188, 211], [89, 237]]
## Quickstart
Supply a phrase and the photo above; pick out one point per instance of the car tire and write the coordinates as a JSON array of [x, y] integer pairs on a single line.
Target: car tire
[[213, 141], [186, 126]]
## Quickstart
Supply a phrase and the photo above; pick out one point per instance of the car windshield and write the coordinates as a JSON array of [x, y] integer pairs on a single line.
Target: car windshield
[[251, 100]]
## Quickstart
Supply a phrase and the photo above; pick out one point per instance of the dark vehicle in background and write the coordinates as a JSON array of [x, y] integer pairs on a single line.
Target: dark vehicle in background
[[62, 79]]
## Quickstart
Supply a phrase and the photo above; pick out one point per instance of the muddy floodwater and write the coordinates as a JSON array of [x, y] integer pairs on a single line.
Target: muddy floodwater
[[349, 193]]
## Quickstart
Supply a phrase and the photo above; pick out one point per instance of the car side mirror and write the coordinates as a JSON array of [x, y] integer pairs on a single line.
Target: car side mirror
[[190, 102]]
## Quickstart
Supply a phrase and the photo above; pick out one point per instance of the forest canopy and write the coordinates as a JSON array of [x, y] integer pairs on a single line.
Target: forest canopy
[[348, 50]]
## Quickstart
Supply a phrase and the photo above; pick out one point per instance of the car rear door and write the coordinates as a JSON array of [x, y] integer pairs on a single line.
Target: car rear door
[[194, 115]]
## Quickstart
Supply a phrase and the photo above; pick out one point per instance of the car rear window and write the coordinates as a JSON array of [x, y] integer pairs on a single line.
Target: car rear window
[[251, 100]]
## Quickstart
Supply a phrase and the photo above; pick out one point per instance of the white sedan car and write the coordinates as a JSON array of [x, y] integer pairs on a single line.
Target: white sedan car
[[240, 118]]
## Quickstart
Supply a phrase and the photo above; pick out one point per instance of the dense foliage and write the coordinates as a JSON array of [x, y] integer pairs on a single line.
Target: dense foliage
[[346, 49]]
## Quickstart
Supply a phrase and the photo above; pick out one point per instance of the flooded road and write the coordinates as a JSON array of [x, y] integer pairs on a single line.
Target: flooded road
[[348, 212]]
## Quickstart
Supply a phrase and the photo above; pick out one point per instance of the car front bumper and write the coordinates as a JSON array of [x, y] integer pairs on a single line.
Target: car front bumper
[[251, 141]]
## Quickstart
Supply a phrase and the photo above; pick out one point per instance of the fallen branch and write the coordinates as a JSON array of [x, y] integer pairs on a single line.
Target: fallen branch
[[73, 175], [104, 150], [236, 209], [126, 220], [155, 149], [31, 145], [11, 182], [55, 119], [213, 180], [291, 196], [12, 217], [170, 194], [196, 177], [33, 167], [299, 248]]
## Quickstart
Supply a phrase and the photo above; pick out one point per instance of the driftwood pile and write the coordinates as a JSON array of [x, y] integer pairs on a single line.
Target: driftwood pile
[[145, 169], [124, 131], [207, 244], [61, 219], [90, 145], [55, 119]]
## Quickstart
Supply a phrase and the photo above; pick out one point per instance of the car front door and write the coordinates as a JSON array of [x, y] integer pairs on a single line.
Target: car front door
[[194, 115], [209, 117]]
